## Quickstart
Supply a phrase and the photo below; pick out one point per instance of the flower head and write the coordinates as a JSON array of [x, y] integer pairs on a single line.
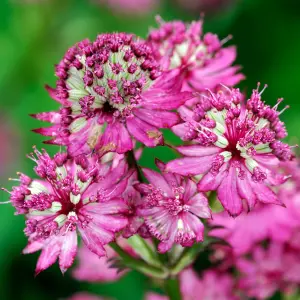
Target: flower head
[[200, 59], [269, 270], [111, 90], [172, 209], [275, 223], [72, 195], [236, 147]]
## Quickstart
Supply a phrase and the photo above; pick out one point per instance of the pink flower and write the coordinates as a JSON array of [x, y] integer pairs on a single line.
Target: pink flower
[[207, 6], [134, 200], [236, 147], [212, 285], [263, 223], [172, 208], [269, 270], [131, 6], [80, 195], [200, 59], [84, 296], [91, 268], [111, 91], [153, 296]]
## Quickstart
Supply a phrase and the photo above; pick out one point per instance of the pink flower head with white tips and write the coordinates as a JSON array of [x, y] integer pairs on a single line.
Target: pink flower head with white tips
[[111, 91], [236, 147], [200, 59], [172, 209], [73, 195]]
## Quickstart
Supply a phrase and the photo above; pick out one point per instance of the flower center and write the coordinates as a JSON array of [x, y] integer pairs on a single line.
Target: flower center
[[106, 76]]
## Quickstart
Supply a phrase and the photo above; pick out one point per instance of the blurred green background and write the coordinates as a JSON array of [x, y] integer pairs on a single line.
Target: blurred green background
[[34, 36]]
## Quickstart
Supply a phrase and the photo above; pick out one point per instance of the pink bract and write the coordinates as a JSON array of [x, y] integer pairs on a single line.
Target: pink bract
[[111, 91], [200, 59], [172, 208], [73, 195], [235, 146]]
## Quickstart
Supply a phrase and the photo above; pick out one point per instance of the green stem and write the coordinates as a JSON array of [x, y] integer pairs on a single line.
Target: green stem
[[138, 264], [132, 162], [172, 288]]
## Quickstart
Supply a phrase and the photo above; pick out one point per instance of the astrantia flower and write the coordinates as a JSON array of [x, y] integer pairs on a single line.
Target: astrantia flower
[[111, 91], [269, 270], [200, 59], [130, 6], [79, 195], [212, 285], [275, 223], [236, 147], [172, 209]]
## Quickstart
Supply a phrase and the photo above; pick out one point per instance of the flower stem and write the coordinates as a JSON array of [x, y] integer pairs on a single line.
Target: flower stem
[[132, 162], [172, 288], [139, 265]]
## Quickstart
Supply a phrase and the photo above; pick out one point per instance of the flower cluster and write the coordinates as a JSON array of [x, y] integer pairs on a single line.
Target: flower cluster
[[236, 145], [115, 94]]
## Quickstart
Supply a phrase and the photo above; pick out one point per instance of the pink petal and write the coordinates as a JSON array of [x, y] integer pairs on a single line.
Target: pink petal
[[180, 130], [228, 194], [111, 223], [144, 132], [190, 189], [115, 138], [158, 99], [48, 131], [158, 181], [49, 255], [265, 194], [210, 182], [198, 151], [92, 241], [53, 94], [245, 191], [189, 165], [68, 251], [33, 247], [159, 119], [51, 117], [106, 208], [199, 206]]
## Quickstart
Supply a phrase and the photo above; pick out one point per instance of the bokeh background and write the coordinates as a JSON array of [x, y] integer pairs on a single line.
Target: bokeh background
[[34, 36]]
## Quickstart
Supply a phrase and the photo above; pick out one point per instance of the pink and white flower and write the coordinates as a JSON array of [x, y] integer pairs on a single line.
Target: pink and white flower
[[200, 59], [172, 208], [235, 146], [111, 91], [73, 195]]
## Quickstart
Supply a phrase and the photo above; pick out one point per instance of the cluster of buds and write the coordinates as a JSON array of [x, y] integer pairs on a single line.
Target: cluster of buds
[[119, 90]]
